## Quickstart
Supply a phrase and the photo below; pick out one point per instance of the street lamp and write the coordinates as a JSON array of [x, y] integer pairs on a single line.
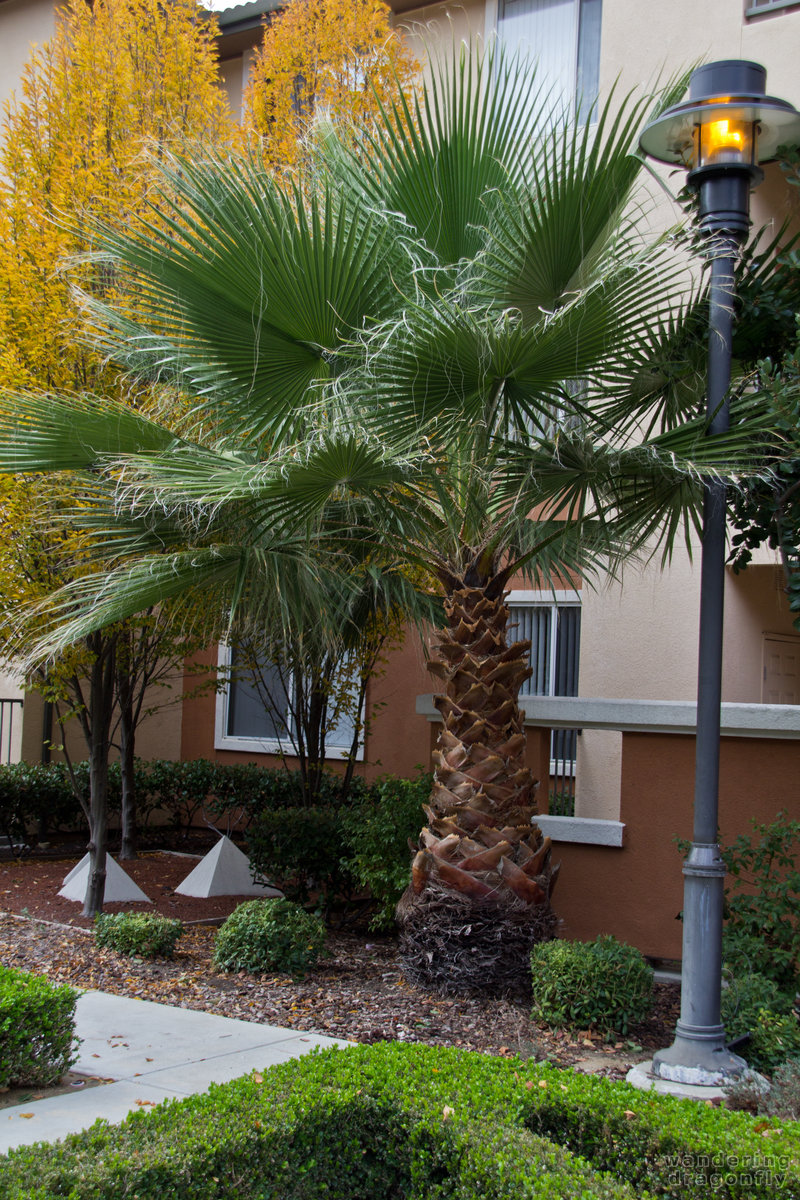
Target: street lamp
[[720, 135]]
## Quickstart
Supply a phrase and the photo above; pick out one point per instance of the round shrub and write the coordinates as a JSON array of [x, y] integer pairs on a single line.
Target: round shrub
[[144, 934], [269, 935], [603, 985]]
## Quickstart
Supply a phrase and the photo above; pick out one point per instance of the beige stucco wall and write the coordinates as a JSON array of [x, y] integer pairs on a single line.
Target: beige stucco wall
[[640, 635], [21, 22]]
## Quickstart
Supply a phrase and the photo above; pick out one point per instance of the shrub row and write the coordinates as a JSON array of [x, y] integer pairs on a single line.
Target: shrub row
[[182, 790], [415, 1121], [37, 1029]]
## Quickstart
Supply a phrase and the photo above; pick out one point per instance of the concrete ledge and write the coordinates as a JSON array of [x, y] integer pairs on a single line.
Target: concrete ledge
[[590, 831], [648, 716]]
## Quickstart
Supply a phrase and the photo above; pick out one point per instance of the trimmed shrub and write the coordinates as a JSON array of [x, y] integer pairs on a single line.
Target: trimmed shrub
[[390, 1121], [603, 985], [144, 934], [301, 850], [37, 1029], [376, 835], [269, 935]]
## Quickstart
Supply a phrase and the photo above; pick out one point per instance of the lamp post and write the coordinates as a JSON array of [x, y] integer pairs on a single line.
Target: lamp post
[[720, 135]]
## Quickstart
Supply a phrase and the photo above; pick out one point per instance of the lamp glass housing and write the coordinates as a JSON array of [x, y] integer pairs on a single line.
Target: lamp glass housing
[[725, 138]]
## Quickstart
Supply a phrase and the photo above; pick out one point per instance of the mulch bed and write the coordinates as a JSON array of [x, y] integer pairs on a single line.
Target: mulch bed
[[357, 992]]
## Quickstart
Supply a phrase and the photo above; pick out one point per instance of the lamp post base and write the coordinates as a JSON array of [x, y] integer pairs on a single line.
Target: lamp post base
[[698, 1057]]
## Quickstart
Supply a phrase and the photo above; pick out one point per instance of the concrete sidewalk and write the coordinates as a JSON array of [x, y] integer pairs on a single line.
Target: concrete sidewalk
[[153, 1052]]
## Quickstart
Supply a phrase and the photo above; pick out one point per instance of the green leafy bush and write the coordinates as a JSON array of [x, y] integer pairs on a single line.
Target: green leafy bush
[[301, 850], [37, 1029], [762, 930], [376, 836], [602, 985], [755, 1004], [145, 934], [394, 1120], [269, 935]]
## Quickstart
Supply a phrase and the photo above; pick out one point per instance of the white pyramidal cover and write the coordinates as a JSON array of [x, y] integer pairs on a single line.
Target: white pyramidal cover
[[224, 871], [120, 888]]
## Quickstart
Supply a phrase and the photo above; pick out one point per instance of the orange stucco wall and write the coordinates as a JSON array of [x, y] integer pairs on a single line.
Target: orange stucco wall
[[397, 742], [636, 892]]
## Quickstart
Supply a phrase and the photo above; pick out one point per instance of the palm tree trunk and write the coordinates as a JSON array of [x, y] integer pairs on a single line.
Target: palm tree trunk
[[481, 878]]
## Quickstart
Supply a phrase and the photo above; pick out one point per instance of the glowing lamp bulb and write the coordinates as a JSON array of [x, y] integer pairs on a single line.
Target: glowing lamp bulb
[[724, 141]]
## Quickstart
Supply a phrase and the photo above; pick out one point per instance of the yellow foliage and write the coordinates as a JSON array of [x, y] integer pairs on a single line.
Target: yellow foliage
[[340, 55], [120, 82]]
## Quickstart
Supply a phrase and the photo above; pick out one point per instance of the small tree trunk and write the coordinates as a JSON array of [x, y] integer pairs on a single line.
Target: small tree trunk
[[101, 707], [127, 754]]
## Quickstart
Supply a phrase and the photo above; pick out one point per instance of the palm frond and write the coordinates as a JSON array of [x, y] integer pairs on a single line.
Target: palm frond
[[42, 432]]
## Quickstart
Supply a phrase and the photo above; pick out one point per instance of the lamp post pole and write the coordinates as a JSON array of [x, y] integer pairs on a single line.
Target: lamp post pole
[[717, 135], [698, 1054]]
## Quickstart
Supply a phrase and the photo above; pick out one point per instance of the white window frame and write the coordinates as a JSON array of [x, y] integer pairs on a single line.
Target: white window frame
[[254, 745], [552, 600]]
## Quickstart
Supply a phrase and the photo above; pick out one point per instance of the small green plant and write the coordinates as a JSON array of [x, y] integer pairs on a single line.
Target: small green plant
[[269, 935], [755, 1005], [780, 1099], [377, 832], [37, 1029], [144, 934], [603, 985], [762, 931]]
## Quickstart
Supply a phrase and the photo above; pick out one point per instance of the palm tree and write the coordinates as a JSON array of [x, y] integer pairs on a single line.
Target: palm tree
[[438, 350]]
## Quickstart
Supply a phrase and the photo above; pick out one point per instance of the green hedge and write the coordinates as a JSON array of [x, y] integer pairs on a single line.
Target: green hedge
[[37, 1029], [184, 791], [411, 1121]]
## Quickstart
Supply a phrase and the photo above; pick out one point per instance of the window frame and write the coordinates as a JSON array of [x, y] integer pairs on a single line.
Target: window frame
[[254, 745], [553, 601], [494, 15], [754, 9]]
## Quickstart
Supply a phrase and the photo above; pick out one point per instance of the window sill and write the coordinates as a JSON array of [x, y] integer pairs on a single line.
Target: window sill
[[246, 745], [585, 831]]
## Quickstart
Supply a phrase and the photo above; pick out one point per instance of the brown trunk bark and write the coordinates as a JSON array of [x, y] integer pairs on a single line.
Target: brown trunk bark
[[101, 689], [481, 881]]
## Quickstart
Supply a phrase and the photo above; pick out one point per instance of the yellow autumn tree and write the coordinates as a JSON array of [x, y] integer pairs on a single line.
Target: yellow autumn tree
[[341, 55], [121, 83]]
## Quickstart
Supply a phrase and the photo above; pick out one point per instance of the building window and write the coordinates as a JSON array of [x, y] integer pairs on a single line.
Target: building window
[[256, 712], [563, 36], [754, 8], [552, 624]]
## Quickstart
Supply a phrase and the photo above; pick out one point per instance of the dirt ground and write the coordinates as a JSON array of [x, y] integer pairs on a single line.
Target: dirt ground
[[357, 991]]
